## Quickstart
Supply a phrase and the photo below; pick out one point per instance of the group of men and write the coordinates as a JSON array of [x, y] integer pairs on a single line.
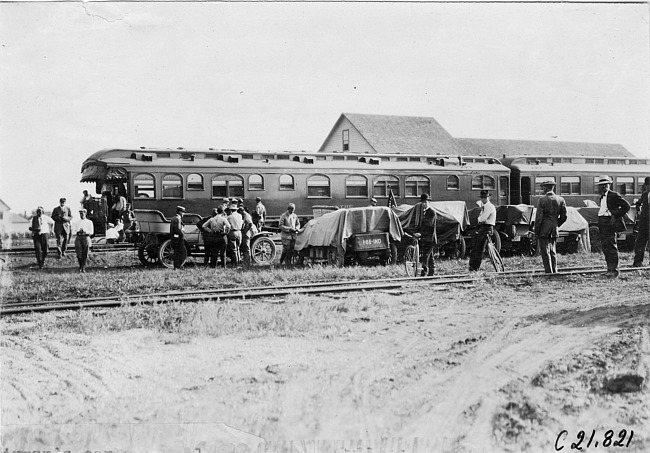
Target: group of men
[[63, 227], [552, 213], [227, 232]]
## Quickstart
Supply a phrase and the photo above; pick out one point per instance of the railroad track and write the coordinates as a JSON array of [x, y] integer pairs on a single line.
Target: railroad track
[[248, 293]]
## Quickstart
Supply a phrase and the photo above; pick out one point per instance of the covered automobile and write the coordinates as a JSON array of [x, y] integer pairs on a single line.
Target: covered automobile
[[347, 235], [451, 220], [625, 238], [514, 225], [573, 235]]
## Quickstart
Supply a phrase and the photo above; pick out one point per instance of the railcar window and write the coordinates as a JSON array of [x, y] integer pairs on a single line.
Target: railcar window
[[356, 186], [480, 182], [503, 186], [144, 186], [384, 184], [625, 185], [596, 187], [172, 186], [194, 181], [570, 185], [415, 186], [338, 158], [538, 180], [402, 159], [227, 186], [255, 182], [318, 186], [286, 182], [453, 183]]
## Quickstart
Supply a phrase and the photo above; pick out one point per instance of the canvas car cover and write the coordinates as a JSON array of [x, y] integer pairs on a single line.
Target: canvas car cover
[[334, 228], [451, 218], [575, 223], [519, 214]]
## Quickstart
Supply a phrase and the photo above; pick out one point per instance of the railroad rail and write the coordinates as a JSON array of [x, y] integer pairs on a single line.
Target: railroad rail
[[247, 293], [97, 248]]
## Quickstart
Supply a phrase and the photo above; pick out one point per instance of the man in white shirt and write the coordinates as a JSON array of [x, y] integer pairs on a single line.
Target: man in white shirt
[[289, 226], [41, 227], [83, 229], [613, 208], [236, 222], [486, 221]]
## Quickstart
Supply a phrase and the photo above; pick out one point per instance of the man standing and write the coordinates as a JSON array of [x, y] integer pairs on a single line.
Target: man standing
[[234, 236], [177, 233], [643, 215], [428, 221], [118, 207], [62, 215], [259, 216], [84, 229], [486, 221], [289, 226], [610, 221], [218, 227], [40, 229], [551, 214]]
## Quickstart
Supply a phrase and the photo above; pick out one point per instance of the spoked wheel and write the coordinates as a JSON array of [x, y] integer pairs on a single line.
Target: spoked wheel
[[166, 254], [148, 254], [495, 258], [411, 261], [263, 251]]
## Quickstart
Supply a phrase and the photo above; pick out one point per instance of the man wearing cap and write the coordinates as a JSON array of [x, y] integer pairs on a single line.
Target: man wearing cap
[[373, 201], [62, 215], [551, 214], [210, 239], [259, 215], [177, 233], [289, 226], [234, 236], [40, 228], [83, 229], [613, 208], [219, 227], [427, 228], [643, 216], [486, 221]]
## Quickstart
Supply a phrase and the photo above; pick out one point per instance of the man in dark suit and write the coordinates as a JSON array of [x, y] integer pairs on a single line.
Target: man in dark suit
[[643, 216], [551, 214], [62, 216], [177, 233], [613, 208]]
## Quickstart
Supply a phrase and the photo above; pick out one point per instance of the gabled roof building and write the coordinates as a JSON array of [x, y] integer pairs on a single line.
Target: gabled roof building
[[505, 148]]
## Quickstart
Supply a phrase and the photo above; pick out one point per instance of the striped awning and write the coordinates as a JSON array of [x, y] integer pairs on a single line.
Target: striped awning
[[93, 173]]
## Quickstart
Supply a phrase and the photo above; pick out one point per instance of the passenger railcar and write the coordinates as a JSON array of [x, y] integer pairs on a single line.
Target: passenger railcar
[[575, 177], [199, 179]]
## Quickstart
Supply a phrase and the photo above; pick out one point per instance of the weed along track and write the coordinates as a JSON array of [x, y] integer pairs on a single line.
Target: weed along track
[[271, 292]]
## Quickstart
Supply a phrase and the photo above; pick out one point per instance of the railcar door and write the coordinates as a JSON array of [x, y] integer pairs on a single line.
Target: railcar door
[[526, 191]]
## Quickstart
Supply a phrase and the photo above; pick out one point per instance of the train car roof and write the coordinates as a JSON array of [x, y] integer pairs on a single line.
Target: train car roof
[[202, 158], [602, 169], [502, 149]]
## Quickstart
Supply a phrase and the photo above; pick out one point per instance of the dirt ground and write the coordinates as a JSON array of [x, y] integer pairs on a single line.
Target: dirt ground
[[514, 366]]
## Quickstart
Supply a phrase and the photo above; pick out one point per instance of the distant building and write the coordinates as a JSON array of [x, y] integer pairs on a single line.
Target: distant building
[[11, 223], [388, 134], [505, 148]]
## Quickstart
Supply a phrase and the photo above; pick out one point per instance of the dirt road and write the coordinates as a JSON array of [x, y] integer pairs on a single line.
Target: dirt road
[[481, 367]]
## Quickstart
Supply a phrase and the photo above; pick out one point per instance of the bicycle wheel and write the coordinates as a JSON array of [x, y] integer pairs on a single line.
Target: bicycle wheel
[[412, 260], [497, 262]]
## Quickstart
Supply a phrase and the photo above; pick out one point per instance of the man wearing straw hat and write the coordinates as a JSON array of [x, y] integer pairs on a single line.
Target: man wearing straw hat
[[613, 208], [551, 214]]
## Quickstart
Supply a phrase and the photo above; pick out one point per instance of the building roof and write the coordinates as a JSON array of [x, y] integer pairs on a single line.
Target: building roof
[[4, 206], [401, 134], [510, 148], [13, 218]]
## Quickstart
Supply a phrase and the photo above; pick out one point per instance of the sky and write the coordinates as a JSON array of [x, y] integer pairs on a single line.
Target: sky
[[79, 77]]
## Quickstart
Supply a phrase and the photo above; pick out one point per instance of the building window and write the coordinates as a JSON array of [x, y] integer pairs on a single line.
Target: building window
[[625, 185], [538, 180], [227, 186], [286, 182], [346, 140], [414, 186], [144, 186], [570, 185], [318, 186], [483, 182], [453, 183], [194, 181], [384, 184], [255, 182], [172, 186], [356, 186]]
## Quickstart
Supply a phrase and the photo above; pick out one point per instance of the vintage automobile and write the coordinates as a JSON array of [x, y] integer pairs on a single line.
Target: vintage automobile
[[367, 235], [156, 248], [515, 227], [625, 239]]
